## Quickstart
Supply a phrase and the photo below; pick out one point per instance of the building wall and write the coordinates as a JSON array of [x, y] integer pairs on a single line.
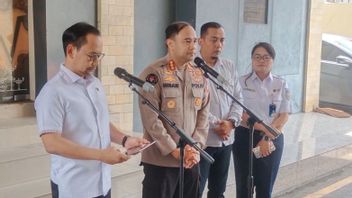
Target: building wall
[[151, 19], [116, 22], [67, 13], [287, 33], [313, 47], [298, 52], [336, 19], [208, 10]]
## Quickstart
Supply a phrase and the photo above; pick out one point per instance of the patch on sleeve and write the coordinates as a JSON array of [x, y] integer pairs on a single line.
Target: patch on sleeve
[[152, 78]]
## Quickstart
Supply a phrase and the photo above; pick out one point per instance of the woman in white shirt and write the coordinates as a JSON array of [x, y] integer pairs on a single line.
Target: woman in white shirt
[[267, 95]]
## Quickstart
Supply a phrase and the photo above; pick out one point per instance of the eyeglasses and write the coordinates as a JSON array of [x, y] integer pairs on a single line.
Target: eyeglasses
[[95, 57], [258, 57]]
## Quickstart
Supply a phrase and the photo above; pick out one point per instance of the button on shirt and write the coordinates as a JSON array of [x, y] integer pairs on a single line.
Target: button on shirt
[[77, 109], [258, 95], [222, 107]]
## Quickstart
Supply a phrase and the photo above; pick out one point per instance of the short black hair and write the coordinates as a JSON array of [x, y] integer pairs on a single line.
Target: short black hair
[[206, 26], [174, 28], [76, 35], [267, 46]]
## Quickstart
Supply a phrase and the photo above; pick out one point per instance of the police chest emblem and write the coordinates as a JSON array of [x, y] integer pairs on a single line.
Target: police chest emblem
[[152, 78], [169, 78], [171, 104], [197, 102]]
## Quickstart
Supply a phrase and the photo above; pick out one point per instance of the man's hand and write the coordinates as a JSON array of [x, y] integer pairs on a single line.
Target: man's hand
[[223, 129], [133, 142], [265, 147], [191, 156], [112, 156], [176, 154]]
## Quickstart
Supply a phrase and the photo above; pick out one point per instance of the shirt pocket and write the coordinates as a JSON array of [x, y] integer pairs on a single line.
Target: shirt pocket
[[171, 100], [277, 99], [249, 94], [197, 98]]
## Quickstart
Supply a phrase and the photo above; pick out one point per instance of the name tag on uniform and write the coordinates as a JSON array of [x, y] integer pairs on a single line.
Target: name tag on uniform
[[170, 85], [197, 85], [272, 109]]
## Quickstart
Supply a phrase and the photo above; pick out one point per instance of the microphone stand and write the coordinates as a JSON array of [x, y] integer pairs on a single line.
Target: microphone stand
[[251, 121], [184, 139]]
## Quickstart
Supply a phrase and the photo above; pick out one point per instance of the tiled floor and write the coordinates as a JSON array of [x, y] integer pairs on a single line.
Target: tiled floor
[[306, 135]]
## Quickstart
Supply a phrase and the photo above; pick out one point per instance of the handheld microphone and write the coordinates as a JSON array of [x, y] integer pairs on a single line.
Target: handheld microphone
[[200, 63], [123, 74]]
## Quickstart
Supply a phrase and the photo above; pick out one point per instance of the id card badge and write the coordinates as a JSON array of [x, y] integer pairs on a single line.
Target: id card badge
[[272, 109]]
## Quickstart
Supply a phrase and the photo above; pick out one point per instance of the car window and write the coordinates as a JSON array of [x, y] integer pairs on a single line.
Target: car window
[[329, 52]]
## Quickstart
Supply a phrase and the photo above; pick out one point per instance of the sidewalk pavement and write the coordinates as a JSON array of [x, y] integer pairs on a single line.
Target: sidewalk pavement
[[316, 145]]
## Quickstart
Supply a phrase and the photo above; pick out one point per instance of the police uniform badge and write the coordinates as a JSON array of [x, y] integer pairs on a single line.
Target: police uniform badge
[[272, 109], [197, 102], [152, 78], [169, 78], [171, 104], [171, 66]]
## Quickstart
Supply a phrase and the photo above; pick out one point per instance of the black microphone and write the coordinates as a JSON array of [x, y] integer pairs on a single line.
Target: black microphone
[[200, 63], [123, 74]]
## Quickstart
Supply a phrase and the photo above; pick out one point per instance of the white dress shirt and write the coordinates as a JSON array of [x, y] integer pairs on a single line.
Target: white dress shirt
[[258, 95], [77, 109], [222, 107]]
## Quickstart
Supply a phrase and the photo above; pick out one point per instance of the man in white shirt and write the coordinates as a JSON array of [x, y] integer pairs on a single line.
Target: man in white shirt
[[225, 114], [73, 120]]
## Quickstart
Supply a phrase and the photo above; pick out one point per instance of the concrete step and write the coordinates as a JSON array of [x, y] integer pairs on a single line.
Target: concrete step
[[25, 171], [17, 132], [17, 110], [127, 177], [34, 188], [302, 172], [40, 188], [23, 164]]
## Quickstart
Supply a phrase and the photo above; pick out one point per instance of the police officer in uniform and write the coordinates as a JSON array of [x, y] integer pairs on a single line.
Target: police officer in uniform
[[181, 94], [267, 95]]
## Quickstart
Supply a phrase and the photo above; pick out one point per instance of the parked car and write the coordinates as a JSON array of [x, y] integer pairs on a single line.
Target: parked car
[[336, 72]]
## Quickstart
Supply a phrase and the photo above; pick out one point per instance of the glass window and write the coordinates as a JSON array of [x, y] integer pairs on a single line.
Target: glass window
[[14, 51], [329, 52]]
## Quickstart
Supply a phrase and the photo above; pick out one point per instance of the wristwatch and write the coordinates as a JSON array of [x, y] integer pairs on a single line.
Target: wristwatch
[[266, 138]]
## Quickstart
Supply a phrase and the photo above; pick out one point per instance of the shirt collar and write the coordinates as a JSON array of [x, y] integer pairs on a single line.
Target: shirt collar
[[254, 77], [73, 77], [217, 63]]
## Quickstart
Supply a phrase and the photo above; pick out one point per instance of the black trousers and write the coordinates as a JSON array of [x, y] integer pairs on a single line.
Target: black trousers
[[55, 191], [162, 182], [264, 169], [215, 173]]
